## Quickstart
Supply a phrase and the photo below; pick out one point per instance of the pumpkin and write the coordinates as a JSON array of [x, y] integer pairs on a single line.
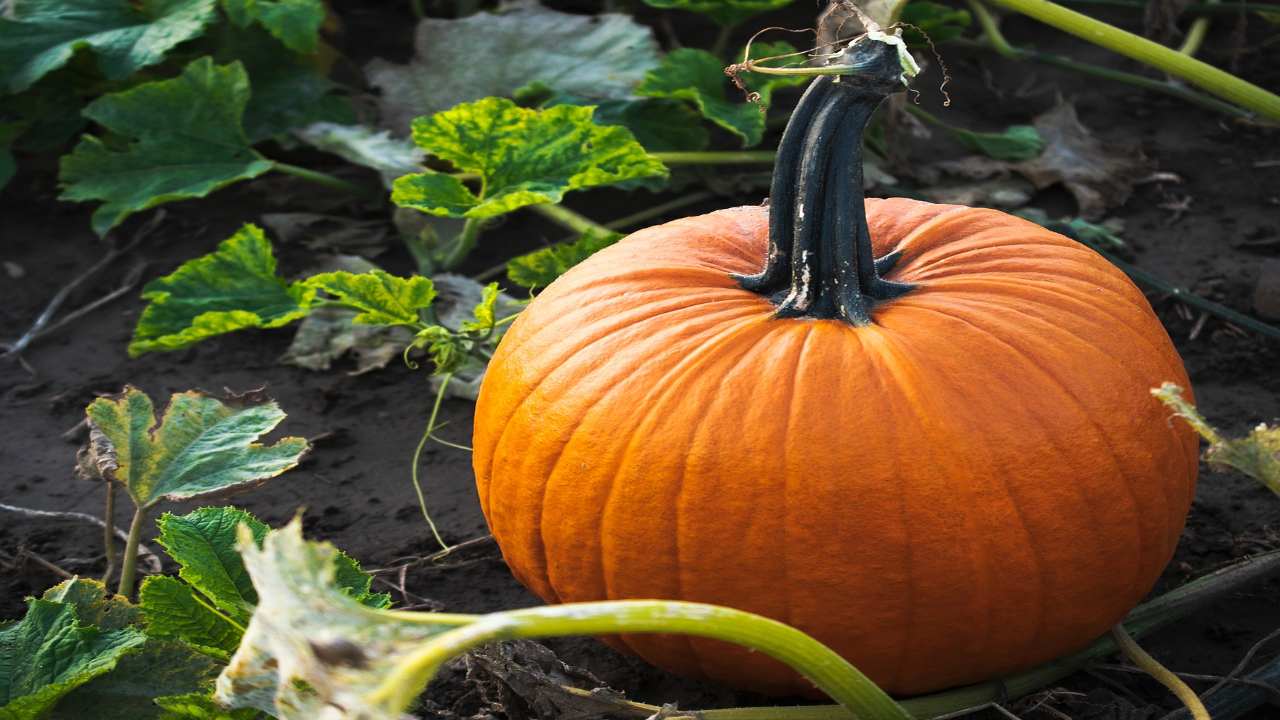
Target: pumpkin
[[945, 463]]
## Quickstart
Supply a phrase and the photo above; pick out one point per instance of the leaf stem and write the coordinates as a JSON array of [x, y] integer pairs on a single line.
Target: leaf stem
[[719, 157], [995, 40], [324, 179], [1204, 8], [1132, 650], [721, 42], [417, 459], [828, 671], [1215, 81], [108, 531], [1195, 35], [569, 219], [129, 565], [463, 244]]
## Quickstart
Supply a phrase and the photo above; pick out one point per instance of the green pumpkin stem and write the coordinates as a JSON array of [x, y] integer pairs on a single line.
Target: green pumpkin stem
[[820, 262]]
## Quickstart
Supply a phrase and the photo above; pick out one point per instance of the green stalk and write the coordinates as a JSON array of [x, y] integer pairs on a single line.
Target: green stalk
[[996, 41], [129, 566], [324, 179], [1195, 35], [417, 460], [829, 672], [569, 219], [1198, 9], [109, 532], [718, 157], [1218, 82], [463, 244]]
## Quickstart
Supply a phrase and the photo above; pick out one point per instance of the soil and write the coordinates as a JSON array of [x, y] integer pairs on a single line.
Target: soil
[[355, 486]]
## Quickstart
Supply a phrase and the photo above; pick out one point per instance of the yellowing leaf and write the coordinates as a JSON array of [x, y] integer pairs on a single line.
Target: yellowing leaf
[[540, 267], [381, 298], [1256, 454], [202, 447], [233, 288], [522, 157]]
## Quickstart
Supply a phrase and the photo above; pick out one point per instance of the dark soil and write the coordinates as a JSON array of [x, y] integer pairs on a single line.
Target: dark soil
[[355, 486]]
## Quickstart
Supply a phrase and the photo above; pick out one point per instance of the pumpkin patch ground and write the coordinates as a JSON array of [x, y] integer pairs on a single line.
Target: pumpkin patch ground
[[1202, 213]]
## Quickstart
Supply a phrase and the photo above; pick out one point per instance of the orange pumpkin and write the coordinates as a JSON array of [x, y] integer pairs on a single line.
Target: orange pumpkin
[[948, 473]]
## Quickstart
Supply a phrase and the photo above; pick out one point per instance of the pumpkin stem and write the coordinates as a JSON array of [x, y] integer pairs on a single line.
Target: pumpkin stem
[[820, 262]]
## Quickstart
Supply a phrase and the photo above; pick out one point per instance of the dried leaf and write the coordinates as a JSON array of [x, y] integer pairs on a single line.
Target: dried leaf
[[525, 678]]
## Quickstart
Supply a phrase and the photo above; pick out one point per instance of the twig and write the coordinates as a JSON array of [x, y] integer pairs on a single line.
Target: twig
[[25, 554], [144, 552], [1223, 680], [1243, 664]]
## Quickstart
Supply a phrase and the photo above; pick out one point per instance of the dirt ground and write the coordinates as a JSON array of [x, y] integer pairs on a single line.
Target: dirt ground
[[355, 485]]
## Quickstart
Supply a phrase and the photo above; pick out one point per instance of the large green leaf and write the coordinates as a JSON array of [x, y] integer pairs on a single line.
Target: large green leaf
[[199, 706], [201, 447], [522, 157], [93, 604], [233, 288], [130, 692], [289, 91], [203, 543], [296, 23], [42, 35], [725, 12], [49, 653], [310, 645], [174, 610], [185, 141], [540, 267], [381, 298], [660, 125], [495, 54], [698, 77]]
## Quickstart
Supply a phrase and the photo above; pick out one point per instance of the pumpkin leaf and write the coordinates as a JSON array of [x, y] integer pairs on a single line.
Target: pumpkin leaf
[[199, 706], [926, 21], [725, 12], [380, 297], [698, 77], [522, 157], [203, 543], [93, 604], [660, 125], [311, 645], [366, 146], [40, 36], [1016, 143], [129, 692], [1256, 454], [539, 268], [174, 610], [201, 447], [184, 141], [49, 653], [495, 54], [296, 23], [233, 288]]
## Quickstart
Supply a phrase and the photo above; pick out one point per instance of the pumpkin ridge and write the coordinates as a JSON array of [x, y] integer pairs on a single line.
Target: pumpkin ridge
[[1167, 546], [604, 396], [1100, 433], [787, 432], [617, 323], [924, 266], [1063, 293]]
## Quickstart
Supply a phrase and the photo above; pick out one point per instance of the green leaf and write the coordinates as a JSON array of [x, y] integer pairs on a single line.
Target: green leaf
[[1016, 143], [302, 615], [725, 12], [203, 543], [174, 610], [523, 157], [296, 23], [49, 653], [381, 298], [698, 77], [483, 315], [40, 36], [539, 268], [93, 604], [599, 56], [199, 706], [161, 667], [289, 91], [1256, 454], [930, 22], [659, 125], [200, 448], [233, 288], [185, 141]]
